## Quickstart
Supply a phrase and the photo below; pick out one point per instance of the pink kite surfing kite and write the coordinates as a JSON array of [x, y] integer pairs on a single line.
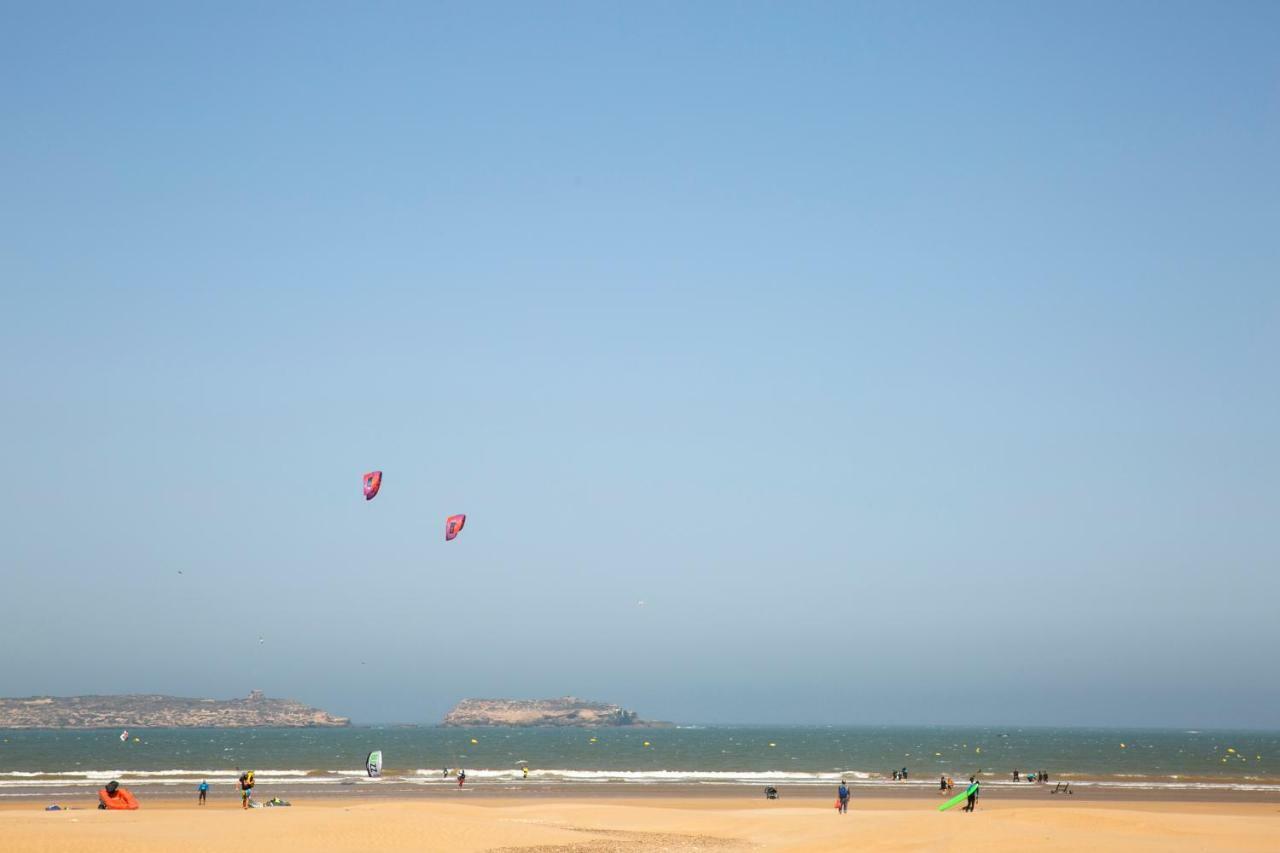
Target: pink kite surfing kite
[[453, 526], [372, 482]]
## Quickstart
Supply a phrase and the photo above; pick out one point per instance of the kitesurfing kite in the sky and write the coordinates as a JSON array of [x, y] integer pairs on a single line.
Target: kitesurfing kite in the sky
[[372, 482], [453, 526], [373, 764]]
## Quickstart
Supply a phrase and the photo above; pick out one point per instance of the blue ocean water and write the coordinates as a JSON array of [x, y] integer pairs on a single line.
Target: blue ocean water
[[35, 761]]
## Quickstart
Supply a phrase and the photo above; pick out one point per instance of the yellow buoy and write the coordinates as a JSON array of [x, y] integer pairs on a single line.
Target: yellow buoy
[[473, 740], [977, 749], [1122, 746], [938, 753], [1231, 749], [646, 743]]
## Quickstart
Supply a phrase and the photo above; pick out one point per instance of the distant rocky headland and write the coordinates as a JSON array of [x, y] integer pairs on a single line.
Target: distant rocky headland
[[95, 712], [566, 711]]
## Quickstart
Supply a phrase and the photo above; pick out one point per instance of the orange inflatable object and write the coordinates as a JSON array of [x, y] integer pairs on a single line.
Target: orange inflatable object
[[122, 799]]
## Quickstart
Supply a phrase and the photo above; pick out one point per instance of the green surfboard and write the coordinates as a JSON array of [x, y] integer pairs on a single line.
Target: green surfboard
[[958, 798]]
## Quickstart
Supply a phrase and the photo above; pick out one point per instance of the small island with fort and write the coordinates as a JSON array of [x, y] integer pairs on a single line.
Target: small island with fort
[[564, 711]]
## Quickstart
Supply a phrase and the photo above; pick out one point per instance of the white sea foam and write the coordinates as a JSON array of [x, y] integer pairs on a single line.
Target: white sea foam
[[13, 781]]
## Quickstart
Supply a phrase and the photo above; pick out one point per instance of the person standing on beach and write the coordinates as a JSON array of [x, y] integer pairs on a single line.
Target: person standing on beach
[[942, 784], [204, 791], [1015, 775], [843, 795], [462, 777], [246, 788], [973, 795]]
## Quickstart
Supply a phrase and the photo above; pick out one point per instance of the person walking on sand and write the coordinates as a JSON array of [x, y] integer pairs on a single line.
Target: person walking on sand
[[204, 791], [843, 795], [942, 784], [973, 795], [462, 777]]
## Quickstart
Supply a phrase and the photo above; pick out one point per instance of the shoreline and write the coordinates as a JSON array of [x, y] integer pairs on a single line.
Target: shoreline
[[744, 795]]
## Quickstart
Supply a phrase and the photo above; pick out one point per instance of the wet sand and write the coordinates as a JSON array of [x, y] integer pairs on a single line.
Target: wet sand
[[593, 824]]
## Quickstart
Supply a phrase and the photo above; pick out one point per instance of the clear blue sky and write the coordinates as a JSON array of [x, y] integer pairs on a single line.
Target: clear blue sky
[[912, 362]]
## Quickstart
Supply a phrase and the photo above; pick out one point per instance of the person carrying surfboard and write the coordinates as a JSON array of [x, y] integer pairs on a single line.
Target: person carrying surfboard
[[246, 788], [972, 799]]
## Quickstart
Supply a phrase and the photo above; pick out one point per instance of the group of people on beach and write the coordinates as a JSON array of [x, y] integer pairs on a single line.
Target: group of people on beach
[[945, 786], [900, 775], [245, 783], [1035, 776]]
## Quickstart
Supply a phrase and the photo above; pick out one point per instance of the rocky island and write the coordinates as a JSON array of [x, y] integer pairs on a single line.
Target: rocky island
[[566, 711], [95, 712]]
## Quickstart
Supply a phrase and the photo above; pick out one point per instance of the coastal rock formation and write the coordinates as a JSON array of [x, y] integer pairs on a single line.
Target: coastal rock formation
[[566, 711], [93, 712]]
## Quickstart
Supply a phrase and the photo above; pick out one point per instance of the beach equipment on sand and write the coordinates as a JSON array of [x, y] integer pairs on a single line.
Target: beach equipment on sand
[[958, 798], [372, 482], [453, 526], [373, 764], [771, 793], [116, 798]]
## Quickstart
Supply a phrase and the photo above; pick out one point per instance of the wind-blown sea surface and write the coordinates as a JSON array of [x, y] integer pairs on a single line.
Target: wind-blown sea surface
[[43, 762]]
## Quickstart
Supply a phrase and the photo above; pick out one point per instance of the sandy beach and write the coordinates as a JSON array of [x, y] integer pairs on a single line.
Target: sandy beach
[[603, 825]]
